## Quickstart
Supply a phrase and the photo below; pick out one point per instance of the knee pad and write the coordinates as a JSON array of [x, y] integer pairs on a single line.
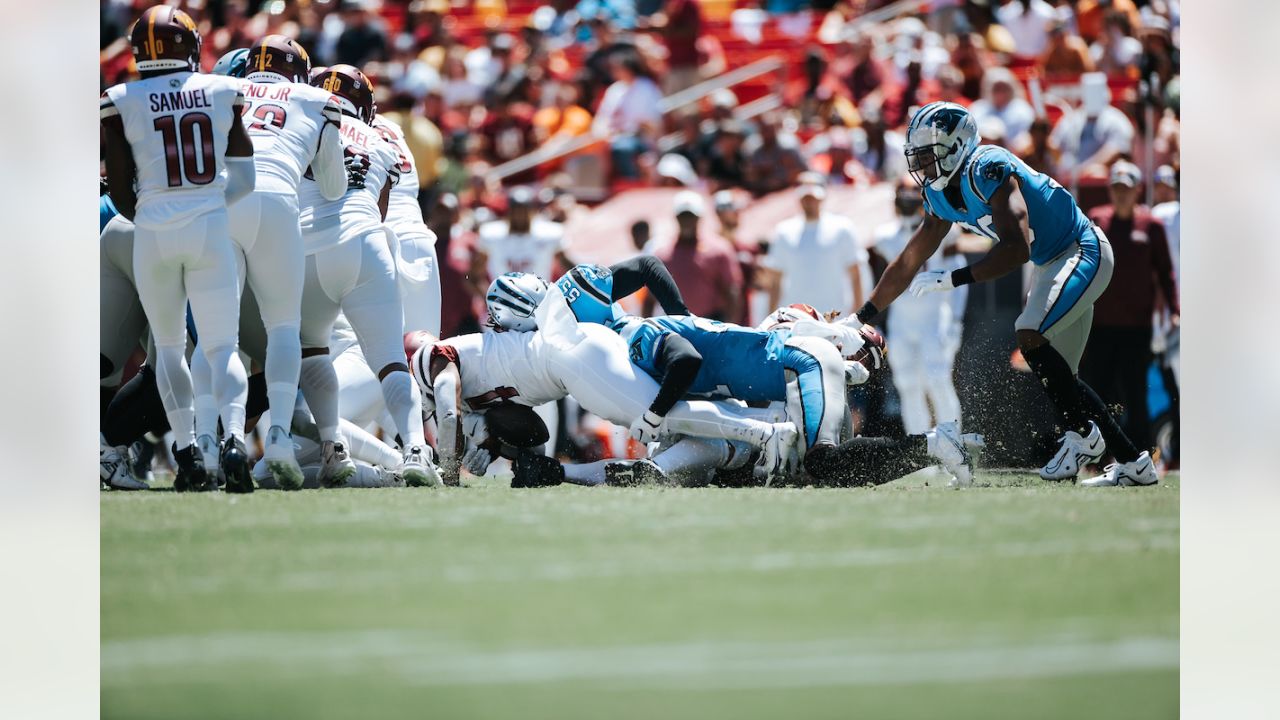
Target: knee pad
[[533, 470]]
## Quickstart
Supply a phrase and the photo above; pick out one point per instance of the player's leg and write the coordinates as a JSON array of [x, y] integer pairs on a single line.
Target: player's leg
[[359, 391], [374, 309], [907, 361], [121, 318], [939, 375], [327, 275], [418, 272], [550, 415], [213, 289], [818, 396], [275, 275]]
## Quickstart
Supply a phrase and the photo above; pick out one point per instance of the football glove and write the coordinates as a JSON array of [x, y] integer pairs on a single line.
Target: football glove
[[646, 427], [357, 168], [931, 281]]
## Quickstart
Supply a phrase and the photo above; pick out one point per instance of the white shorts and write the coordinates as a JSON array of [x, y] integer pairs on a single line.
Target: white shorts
[[357, 277], [1063, 291], [122, 323], [265, 228], [419, 272], [195, 262]]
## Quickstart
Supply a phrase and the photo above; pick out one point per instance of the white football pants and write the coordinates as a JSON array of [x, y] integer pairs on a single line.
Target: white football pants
[[122, 324], [924, 334]]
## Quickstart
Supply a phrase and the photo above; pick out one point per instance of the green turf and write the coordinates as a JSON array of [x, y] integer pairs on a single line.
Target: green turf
[[1017, 600]]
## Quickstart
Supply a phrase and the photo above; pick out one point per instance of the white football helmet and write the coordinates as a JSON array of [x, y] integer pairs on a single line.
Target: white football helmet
[[940, 137], [788, 315], [511, 300]]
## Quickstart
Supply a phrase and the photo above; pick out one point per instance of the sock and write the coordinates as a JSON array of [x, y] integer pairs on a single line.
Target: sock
[[281, 371], [173, 380], [868, 460], [361, 445], [230, 387], [701, 418], [135, 410], [319, 384], [693, 454], [405, 407], [1119, 444], [586, 473], [202, 385], [1060, 384]]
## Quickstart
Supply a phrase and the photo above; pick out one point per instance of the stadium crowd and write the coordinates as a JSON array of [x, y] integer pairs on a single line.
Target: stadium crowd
[[1086, 91]]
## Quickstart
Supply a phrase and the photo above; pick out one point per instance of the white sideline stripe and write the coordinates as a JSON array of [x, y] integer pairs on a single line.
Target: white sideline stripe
[[762, 562], [842, 662]]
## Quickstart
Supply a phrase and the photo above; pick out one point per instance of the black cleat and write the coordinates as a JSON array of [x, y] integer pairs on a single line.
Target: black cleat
[[636, 472], [191, 475], [533, 469], [235, 466]]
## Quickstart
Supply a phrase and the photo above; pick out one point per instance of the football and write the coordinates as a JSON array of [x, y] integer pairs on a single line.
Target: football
[[874, 352]]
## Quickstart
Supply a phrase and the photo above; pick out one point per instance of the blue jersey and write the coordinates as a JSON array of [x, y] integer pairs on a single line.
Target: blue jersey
[[1053, 217], [589, 291], [106, 211], [738, 362]]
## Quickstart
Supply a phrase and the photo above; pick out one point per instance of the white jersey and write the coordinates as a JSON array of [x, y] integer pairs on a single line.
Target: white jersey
[[177, 126], [326, 223], [284, 121], [495, 367], [404, 214], [531, 252]]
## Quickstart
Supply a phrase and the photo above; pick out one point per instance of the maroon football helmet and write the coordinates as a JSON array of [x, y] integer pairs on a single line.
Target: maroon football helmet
[[278, 55], [351, 87], [165, 38]]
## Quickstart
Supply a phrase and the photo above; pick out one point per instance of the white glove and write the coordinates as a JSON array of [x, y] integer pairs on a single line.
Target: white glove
[[932, 281], [646, 427], [855, 373]]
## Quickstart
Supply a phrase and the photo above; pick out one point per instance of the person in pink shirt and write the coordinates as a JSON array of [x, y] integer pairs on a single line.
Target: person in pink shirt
[[705, 267]]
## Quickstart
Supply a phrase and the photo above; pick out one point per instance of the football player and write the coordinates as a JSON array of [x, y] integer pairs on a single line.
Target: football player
[[177, 133], [989, 191], [350, 269], [294, 128]]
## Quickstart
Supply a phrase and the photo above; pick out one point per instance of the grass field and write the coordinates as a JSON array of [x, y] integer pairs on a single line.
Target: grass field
[[1019, 600]]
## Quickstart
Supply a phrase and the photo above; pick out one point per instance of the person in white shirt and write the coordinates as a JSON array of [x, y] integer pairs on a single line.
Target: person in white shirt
[[628, 114], [925, 331], [815, 258], [1090, 137], [524, 242], [1168, 210], [1002, 98], [1028, 22]]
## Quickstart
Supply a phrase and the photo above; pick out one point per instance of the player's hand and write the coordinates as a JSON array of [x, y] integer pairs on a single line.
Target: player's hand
[[931, 281], [357, 168], [476, 459], [646, 427], [855, 373]]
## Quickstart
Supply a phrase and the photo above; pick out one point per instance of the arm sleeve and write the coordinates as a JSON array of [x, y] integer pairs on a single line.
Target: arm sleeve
[[679, 363], [328, 166], [647, 271], [241, 177]]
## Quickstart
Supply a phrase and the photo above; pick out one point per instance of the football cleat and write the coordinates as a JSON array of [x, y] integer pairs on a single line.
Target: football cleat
[[235, 466], [115, 472], [1075, 453], [637, 472], [533, 469], [281, 460], [336, 466], [778, 450], [417, 468], [945, 444], [1139, 473], [191, 475]]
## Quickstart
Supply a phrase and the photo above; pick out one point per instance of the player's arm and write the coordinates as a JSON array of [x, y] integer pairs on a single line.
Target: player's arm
[[447, 386], [679, 362], [241, 175], [329, 166], [119, 160], [1013, 248], [384, 200], [647, 271], [922, 245]]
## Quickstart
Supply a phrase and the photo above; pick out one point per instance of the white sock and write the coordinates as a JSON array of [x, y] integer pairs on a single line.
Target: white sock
[[173, 380], [202, 386], [319, 384], [586, 473], [693, 454], [230, 387], [282, 368], [405, 407], [701, 418], [363, 446]]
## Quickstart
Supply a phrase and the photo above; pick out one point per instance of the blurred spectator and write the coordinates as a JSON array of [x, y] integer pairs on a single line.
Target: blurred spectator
[[485, 64], [363, 37], [407, 72], [1165, 341], [1168, 210], [773, 157], [459, 89], [1117, 51], [867, 75], [1067, 53], [992, 131], [951, 86], [1090, 137], [1038, 154], [1117, 357], [640, 237], [425, 142], [628, 115], [506, 132], [1028, 21], [603, 48], [831, 156], [459, 289], [971, 58], [729, 213], [815, 257], [675, 170], [426, 22], [879, 149], [563, 119], [523, 242], [1159, 55], [680, 25], [1002, 98], [726, 163], [1091, 16], [704, 266]]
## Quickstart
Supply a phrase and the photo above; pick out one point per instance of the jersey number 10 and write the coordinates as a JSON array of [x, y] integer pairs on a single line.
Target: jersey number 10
[[185, 155]]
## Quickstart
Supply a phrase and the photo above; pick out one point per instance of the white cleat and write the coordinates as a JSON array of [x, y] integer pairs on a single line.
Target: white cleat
[[336, 466], [1075, 453], [418, 469], [974, 444], [1139, 473], [280, 459], [777, 452], [945, 444], [210, 452], [114, 470]]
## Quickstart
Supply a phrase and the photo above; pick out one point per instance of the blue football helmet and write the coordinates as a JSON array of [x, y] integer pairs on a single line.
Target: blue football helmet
[[232, 64]]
